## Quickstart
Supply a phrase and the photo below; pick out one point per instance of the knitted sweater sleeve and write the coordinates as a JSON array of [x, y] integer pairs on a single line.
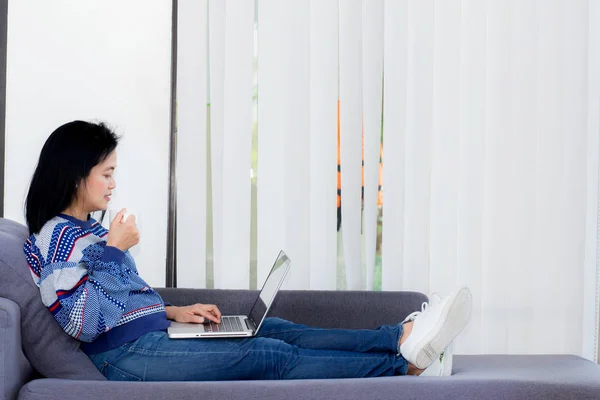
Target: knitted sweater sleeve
[[86, 290]]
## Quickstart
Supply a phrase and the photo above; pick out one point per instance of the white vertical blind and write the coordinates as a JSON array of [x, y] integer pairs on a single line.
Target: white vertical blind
[[522, 165], [216, 58], [287, 95], [471, 159], [445, 141], [496, 229], [297, 136], [394, 143], [372, 62], [550, 96], [234, 269], [324, 16], [351, 109], [273, 109], [191, 142], [419, 119]]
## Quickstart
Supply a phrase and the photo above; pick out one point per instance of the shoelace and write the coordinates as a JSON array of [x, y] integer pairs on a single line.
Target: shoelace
[[435, 299], [412, 316]]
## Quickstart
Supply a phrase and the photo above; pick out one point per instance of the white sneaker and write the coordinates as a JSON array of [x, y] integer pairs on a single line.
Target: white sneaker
[[435, 327], [441, 366]]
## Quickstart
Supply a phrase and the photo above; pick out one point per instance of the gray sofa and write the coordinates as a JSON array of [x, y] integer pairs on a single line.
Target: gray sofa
[[39, 361]]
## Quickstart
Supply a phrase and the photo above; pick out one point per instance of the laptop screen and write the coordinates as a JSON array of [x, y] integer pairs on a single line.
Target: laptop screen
[[270, 288]]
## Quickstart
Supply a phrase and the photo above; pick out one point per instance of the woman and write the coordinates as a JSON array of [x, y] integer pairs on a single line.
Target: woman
[[90, 283]]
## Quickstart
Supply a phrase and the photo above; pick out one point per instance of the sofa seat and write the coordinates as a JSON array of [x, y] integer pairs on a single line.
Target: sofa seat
[[489, 377]]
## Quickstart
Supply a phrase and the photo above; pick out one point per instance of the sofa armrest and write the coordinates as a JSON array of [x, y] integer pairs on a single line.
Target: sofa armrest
[[326, 309], [15, 369]]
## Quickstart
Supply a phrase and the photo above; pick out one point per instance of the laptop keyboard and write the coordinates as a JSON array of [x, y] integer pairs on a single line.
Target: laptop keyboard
[[228, 324]]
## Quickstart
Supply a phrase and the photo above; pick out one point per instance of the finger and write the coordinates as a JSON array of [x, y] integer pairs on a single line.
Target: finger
[[209, 310], [211, 317], [126, 217], [118, 217], [213, 309], [217, 312], [201, 309]]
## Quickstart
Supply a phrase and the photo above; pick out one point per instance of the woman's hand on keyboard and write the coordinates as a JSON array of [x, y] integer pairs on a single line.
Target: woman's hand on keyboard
[[195, 313]]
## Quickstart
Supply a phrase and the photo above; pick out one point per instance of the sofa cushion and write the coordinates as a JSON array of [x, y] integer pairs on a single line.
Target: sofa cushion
[[489, 377], [52, 352]]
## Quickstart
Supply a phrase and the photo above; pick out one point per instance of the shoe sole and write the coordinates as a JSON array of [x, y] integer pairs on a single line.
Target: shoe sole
[[457, 311]]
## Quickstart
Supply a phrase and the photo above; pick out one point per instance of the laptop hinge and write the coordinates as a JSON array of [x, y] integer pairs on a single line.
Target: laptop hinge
[[250, 324]]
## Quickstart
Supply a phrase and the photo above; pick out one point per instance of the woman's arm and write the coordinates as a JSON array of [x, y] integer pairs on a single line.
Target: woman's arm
[[171, 310], [86, 297]]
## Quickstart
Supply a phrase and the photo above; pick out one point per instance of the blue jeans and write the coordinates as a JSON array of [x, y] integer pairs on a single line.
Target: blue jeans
[[282, 350]]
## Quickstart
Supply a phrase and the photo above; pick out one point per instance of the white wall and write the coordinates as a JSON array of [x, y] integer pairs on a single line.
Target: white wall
[[91, 60]]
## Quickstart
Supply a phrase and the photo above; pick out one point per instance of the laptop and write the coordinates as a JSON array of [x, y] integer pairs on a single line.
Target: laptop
[[232, 326]]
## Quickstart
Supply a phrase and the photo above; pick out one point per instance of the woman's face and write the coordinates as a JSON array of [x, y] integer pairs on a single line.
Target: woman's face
[[95, 193]]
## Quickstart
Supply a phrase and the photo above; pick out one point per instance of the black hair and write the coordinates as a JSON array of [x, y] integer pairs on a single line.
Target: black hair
[[66, 159]]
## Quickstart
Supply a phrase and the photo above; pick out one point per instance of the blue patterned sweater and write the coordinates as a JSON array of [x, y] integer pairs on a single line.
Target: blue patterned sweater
[[92, 290]]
